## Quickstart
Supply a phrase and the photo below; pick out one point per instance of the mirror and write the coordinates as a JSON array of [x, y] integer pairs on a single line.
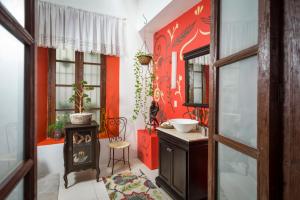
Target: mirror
[[196, 77]]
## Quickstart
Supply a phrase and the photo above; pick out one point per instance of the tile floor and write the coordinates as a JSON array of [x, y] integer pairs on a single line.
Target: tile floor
[[83, 186]]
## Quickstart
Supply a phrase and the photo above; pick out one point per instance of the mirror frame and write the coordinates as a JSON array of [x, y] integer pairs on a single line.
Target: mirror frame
[[187, 56]]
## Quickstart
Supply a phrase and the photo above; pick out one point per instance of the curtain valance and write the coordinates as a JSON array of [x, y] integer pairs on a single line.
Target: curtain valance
[[66, 27]]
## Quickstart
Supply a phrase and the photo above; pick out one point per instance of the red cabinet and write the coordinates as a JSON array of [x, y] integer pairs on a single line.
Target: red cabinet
[[148, 148]]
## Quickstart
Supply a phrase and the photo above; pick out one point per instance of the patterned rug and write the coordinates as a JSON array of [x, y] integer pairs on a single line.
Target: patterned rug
[[128, 186]]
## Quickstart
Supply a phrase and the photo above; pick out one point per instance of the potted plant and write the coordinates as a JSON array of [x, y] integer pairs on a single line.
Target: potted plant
[[143, 87], [144, 58], [81, 101], [56, 129]]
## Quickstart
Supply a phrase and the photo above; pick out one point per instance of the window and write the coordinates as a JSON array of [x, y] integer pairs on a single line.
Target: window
[[67, 67]]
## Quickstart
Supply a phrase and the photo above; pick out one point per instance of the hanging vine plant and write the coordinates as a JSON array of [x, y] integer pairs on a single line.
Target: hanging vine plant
[[144, 78]]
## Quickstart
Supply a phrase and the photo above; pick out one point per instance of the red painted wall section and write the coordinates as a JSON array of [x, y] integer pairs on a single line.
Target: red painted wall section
[[112, 87], [188, 32], [112, 93], [42, 94]]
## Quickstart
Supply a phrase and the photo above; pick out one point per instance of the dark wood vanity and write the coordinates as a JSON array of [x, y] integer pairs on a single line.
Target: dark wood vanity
[[182, 164]]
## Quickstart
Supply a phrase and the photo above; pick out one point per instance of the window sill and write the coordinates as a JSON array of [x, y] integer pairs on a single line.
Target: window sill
[[50, 141]]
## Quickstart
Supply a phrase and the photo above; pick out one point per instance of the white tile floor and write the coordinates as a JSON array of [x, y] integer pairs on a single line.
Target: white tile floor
[[83, 185]]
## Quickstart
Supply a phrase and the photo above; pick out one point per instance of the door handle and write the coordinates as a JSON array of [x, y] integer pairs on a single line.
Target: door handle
[[169, 149]]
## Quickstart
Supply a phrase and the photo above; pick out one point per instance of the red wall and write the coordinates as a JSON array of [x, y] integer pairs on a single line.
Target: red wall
[[188, 32], [42, 94], [112, 88], [112, 92]]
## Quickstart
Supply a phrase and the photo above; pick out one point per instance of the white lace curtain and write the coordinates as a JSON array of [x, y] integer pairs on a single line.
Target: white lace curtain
[[66, 27]]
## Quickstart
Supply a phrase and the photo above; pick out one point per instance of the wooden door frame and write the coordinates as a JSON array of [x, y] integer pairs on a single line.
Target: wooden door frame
[[26, 35], [269, 138], [291, 131]]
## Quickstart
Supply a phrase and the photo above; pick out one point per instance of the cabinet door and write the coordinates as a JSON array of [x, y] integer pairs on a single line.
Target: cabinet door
[[83, 147], [165, 161], [179, 171]]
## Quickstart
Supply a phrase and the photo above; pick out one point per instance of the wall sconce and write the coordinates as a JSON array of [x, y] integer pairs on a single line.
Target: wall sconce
[[174, 70]]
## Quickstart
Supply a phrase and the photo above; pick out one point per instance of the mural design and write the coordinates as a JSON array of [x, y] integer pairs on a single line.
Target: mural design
[[158, 94], [184, 34], [173, 31], [190, 31], [198, 10], [178, 92], [187, 43]]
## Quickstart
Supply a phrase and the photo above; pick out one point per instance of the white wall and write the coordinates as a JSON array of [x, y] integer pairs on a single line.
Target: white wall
[[149, 9], [50, 157]]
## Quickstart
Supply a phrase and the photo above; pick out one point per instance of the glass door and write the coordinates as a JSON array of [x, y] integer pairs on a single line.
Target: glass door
[[234, 161], [17, 141]]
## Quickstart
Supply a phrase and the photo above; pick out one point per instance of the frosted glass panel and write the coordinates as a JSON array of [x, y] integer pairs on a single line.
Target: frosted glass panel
[[92, 57], [62, 97], [238, 101], [238, 25], [237, 175], [11, 106], [198, 79], [16, 8], [197, 95], [65, 54], [95, 97], [65, 73], [18, 192], [92, 74]]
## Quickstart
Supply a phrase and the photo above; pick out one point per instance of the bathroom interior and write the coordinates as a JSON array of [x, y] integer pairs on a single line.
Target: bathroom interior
[[152, 100]]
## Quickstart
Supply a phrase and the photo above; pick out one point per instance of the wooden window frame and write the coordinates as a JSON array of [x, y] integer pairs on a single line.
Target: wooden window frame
[[79, 71], [27, 169], [267, 153]]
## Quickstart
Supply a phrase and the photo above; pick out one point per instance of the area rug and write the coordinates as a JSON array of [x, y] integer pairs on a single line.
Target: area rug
[[129, 186]]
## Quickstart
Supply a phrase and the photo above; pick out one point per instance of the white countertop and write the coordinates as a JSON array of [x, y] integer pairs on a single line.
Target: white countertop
[[194, 135]]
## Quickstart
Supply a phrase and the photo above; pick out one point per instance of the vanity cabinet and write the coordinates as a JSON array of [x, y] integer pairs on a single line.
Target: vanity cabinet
[[182, 166]]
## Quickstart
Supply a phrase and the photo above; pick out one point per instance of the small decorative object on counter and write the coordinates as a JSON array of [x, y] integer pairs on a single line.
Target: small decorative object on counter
[[81, 101], [166, 125]]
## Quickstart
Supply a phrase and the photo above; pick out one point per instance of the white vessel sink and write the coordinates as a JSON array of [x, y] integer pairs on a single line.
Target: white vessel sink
[[184, 125]]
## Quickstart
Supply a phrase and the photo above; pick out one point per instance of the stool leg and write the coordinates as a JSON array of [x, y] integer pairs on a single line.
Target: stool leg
[[124, 156], [113, 162], [109, 157], [128, 159]]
